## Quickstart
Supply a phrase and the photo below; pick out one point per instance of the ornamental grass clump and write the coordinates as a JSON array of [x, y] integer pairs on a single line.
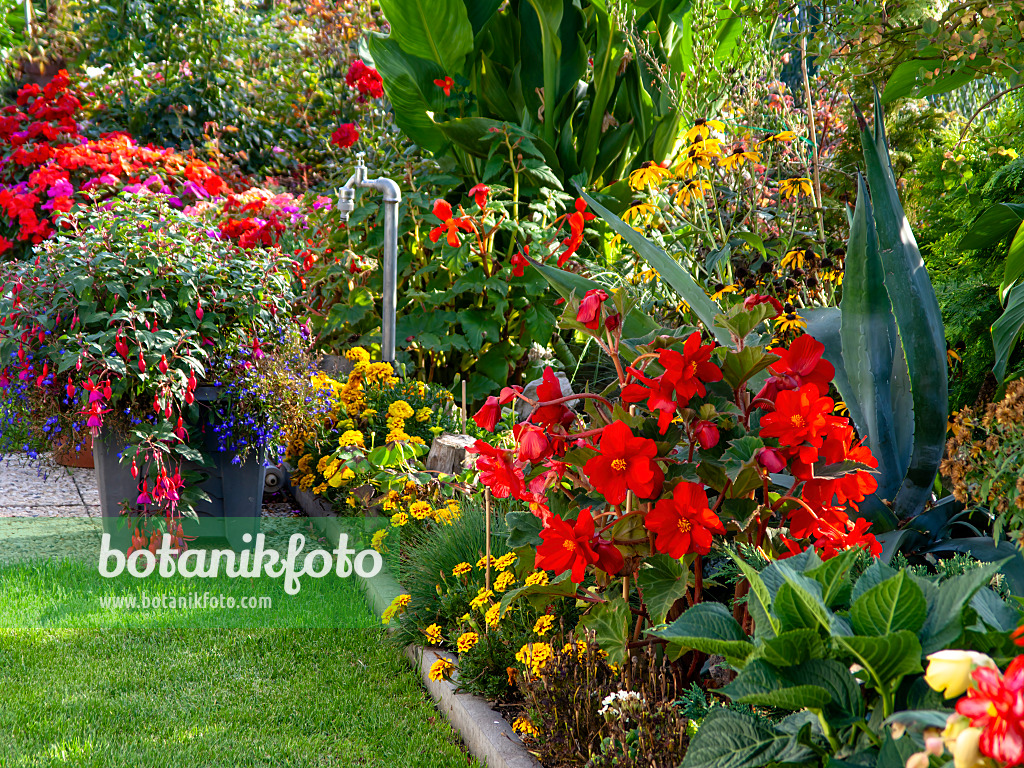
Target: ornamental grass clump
[[138, 322]]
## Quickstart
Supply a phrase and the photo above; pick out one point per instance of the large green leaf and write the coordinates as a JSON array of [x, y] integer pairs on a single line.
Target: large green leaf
[[761, 685], [995, 223], [834, 577], [610, 623], [919, 321], [730, 739], [867, 350], [792, 648], [758, 600], [905, 78], [708, 627], [886, 659], [435, 30], [663, 581], [835, 678], [406, 80], [1014, 268], [1006, 330], [895, 604], [946, 604], [636, 324], [667, 267], [479, 12]]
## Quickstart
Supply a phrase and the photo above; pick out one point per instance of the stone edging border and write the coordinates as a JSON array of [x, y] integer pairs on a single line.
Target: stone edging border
[[486, 734]]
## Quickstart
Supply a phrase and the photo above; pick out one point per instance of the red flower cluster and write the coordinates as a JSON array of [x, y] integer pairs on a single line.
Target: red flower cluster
[[573, 547], [364, 79], [345, 135], [685, 376], [683, 523], [47, 165], [577, 219], [996, 705], [625, 462]]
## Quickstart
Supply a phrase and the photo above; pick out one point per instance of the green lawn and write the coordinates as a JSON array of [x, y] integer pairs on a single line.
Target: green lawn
[[84, 688]]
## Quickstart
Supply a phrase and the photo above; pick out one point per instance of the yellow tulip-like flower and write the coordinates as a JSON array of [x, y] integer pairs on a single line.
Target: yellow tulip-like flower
[[950, 671], [441, 670]]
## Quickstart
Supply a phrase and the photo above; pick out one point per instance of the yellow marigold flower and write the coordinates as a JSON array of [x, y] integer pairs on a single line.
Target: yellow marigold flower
[[369, 412], [464, 618], [493, 616], [482, 598], [702, 128], [535, 656], [320, 489], [321, 466], [790, 322], [506, 561], [466, 641], [523, 725], [358, 355], [505, 580], [799, 187], [352, 438], [543, 625], [393, 500], [537, 578], [397, 436], [648, 174], [377, 542], [580, 648], [424, 414], [402, 601], [433, 633], [399, 519], [400, 409], [482, 562], [441, 670], [461, 569], [420, 510], [444, 516]]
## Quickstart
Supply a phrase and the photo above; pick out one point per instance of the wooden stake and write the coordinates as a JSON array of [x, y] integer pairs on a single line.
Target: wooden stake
[[463, 406], [487, 530]]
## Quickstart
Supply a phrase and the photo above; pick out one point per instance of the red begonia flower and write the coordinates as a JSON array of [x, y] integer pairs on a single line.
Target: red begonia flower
[[567, 547], [488, 415], [625, 462], [683, 523], [499, 471], [589, 312], [996, 705]]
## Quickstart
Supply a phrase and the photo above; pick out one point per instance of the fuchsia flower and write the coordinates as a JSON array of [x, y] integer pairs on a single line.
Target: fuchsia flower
[[144, 497]]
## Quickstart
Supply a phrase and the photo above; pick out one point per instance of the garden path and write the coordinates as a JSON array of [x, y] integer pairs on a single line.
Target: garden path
[[32, 489]]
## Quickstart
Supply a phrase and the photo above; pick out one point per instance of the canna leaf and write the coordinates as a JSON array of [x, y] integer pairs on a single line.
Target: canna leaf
[[667, 267], [1006, 330]]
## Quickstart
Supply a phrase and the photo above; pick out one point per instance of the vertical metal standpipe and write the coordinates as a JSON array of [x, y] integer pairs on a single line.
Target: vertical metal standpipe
[[392, 198]]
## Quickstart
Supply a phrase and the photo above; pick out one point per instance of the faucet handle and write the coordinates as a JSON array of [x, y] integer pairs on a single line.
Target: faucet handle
[[346, 202]]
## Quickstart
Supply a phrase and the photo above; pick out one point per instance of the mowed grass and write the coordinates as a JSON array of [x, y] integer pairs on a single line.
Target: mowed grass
[[81, 687]]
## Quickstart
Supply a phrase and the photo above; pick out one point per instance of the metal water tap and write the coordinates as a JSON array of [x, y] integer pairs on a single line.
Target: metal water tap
[[392, 197]]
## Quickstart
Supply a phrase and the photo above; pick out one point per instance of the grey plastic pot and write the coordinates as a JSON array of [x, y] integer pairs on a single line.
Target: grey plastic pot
[[235, 490]]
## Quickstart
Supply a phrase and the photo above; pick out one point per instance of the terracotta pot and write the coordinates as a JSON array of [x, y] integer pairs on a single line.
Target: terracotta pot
[[64, 452]]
